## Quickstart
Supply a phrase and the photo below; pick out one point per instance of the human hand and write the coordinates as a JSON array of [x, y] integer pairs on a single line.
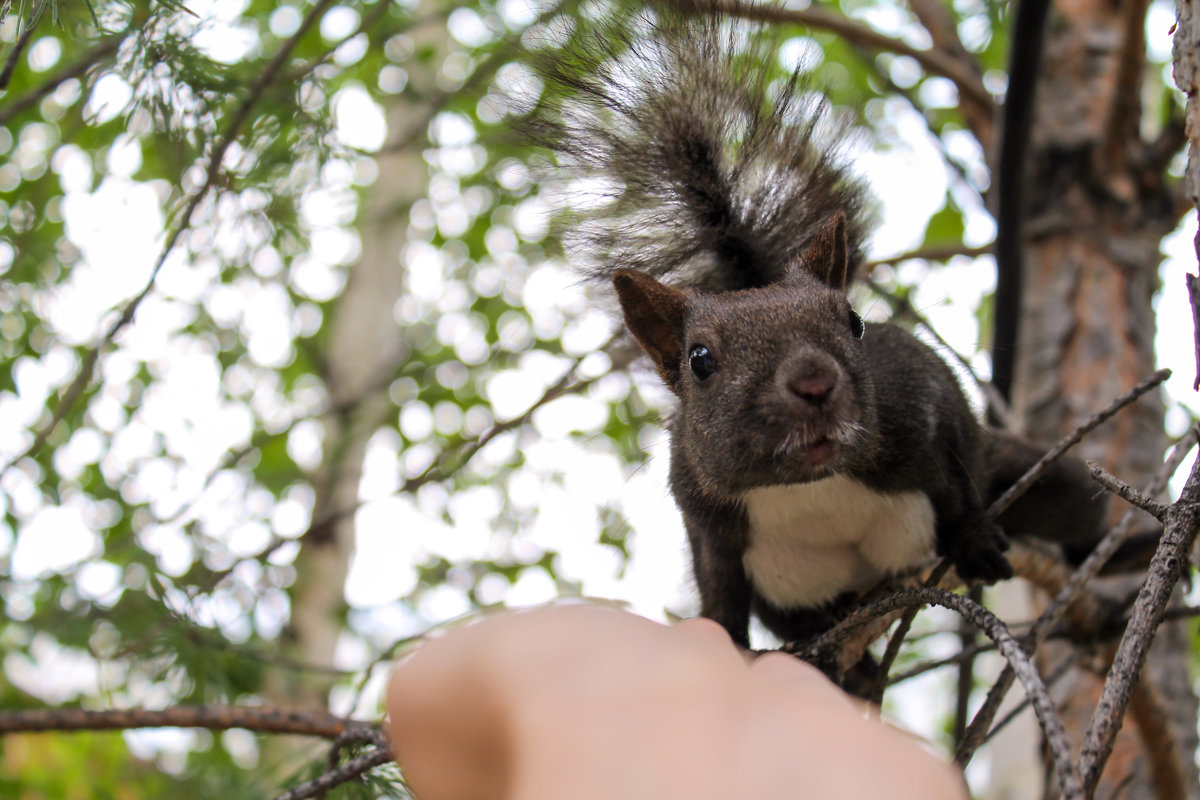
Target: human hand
[[588, 702]]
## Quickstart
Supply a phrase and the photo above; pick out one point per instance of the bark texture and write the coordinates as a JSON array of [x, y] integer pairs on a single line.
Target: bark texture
[[1099, 207]]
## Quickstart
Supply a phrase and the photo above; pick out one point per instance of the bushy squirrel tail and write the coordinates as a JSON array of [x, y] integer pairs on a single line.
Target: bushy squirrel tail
[[715, 167]]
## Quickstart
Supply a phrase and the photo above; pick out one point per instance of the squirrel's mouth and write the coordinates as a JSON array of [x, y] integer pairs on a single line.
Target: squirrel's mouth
[[819, 452]]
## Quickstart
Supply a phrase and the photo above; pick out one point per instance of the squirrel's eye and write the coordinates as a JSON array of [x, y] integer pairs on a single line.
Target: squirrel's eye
[[702, 362], [857, 326]]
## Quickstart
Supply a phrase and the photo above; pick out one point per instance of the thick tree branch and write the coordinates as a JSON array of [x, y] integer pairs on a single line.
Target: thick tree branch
[[935, 61], [217, 718]]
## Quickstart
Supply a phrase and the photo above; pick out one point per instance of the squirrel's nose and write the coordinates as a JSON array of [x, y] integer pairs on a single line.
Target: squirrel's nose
[[813, 389]]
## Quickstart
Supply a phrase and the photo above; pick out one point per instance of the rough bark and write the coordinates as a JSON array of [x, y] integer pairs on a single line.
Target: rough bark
[[1100, 205]]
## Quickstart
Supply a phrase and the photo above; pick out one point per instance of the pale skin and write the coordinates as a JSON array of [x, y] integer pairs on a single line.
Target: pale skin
[[588, 702]]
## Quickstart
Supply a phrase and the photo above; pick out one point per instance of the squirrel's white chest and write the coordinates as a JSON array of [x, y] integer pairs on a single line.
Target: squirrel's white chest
[[810, 542]]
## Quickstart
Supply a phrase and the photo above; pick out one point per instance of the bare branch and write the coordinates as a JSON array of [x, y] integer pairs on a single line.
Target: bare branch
[[1054, 677], [902, 307], [217, 718], [935, 253], [1029, 478], [338, 775], [816, 651], [935, 61], [1062, 600], [938, 19], [893, 645], [10, 64], [1125, 491], [1166, 569]]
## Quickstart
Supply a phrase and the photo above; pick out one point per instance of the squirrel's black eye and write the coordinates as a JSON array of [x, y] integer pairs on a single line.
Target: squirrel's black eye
[[702, 362], [857, 326]]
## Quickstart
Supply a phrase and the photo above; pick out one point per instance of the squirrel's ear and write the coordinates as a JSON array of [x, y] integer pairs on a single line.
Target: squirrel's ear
[[826, 256], [654, 313]]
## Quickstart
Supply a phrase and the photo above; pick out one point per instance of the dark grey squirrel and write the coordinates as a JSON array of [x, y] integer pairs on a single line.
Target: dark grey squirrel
[[812, 454]]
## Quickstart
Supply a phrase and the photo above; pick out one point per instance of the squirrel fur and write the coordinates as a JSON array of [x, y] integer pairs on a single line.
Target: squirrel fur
[[812, 454]]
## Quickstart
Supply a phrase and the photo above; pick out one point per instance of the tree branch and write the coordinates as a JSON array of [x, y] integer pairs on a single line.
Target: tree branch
[[338, 775], [1126, 492], [1166, 569], [934, 61], [217, 718], [816, 651], [1037, 470], [10, 64], [1090, 567], [75, 69]]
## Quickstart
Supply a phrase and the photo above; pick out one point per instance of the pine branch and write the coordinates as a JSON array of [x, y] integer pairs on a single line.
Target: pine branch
[[77, 387], [338, 775], [10, 64], [76, 69]]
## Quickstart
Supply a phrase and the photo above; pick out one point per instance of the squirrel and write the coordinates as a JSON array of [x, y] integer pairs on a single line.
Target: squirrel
[[813, 454]]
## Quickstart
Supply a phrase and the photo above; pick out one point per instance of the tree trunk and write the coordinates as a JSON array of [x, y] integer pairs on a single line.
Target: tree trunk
[[365, 348], [1100, 205]]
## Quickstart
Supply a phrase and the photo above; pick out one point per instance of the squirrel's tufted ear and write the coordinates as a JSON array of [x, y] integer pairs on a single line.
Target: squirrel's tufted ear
[[654, 313], [826, 256]]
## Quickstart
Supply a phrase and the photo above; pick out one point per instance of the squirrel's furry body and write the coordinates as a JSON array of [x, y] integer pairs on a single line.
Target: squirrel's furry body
[[810, 455]]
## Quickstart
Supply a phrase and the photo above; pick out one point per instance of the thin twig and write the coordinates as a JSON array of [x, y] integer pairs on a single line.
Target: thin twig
[[217, 718], [452, 460], [1029, 478], [1125, 491], [10, 64], [79, 384], [1065, 596], [335, 777], [75, 69], [935, 253], [949, 661], [902, 307], [893, 645], [1054, 677], [1166, 568], [995, 629]]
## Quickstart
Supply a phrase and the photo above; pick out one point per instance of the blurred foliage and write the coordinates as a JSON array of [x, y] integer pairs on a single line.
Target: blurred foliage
[[147, 547]]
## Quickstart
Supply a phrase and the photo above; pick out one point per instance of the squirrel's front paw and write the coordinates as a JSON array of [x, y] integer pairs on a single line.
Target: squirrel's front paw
[[981, 556]]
